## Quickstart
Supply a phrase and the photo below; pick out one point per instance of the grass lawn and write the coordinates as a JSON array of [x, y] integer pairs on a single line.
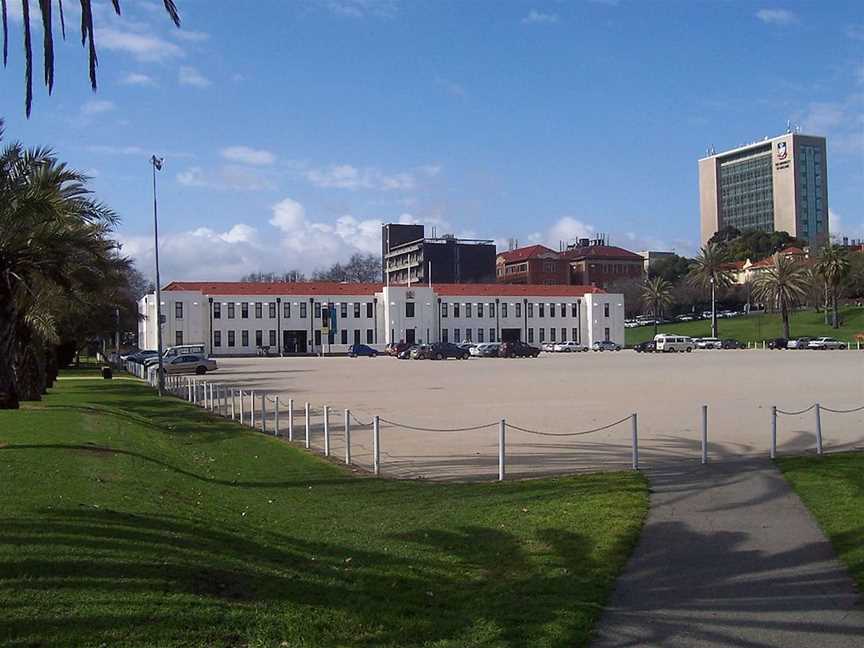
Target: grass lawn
[[832, 487], [125, 521], [749, 328]]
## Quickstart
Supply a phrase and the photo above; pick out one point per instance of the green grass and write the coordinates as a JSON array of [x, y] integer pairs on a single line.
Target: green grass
[[832, 487], [748, 328], [125, 521]]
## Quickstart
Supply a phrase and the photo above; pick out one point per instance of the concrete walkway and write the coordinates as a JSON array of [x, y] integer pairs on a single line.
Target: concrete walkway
[[731, 557]]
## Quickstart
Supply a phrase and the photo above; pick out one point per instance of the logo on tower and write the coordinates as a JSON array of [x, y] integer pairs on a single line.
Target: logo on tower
[[781, 150]]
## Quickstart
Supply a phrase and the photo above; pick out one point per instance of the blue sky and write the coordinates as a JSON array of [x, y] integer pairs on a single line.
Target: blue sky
[[291, 130]]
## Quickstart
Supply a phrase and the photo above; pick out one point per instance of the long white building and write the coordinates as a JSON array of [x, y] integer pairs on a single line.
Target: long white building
[[237, 318]]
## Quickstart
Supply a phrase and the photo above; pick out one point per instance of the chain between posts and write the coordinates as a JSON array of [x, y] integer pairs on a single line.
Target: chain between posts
[[420, 429], [567, 434]]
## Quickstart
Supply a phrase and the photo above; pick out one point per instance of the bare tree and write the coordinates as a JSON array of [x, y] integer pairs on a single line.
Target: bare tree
[[292, 276], [360, 268]]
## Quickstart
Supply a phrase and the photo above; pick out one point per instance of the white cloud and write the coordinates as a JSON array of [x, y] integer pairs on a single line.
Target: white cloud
[[96, 107], [144, 47], [190, 76], [535, 17], [228, 177], [839, 229], [777, 16], [842, 122], [247, 155], [190, 36], [345, 176], [361, 8], [138, 79], [567, 229], [106, 149]]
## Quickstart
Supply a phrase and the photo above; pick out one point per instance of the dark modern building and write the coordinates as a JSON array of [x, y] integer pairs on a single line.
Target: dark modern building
[[409, 257]]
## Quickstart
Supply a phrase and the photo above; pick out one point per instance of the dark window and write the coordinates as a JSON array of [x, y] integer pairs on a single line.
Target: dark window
[[519, 309], [231, 310], [444, 309], [369, 307], [217, 310], [344, 336], [409, 309], [317, 311], [552, 334], [357, 313], [575, 337], [286, 310], [606, 310], [317, 337], [480, 335], [444, 337], [331, 337], [479, 310], [357, 336], [530, 335], [573, 309], [244, 338], [491, 334], [551, 310], [468, 335], [244, 310], [178, 310], [467, 310], [542, 308], [456, 336], [259, 307], [303, 310], [563, 310], [271, 310], [563, 334], [217, 338], [542, 334], [491, 310], [530, 309], [272, 338], [369, 336], [178, 337], [259, 338], [343, 310], [606, 333], [456, 310], [504, 309], [230, 338]]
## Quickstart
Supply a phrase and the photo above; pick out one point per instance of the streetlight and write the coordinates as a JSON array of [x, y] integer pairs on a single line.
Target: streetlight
[[160, 379], [713, 311]]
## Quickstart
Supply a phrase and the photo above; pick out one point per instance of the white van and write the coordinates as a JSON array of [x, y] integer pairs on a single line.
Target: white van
[[665, 343]]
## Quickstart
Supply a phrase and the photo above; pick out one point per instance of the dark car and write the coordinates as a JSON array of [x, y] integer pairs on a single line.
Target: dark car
[[141, 356], [358, 350], [778, 343], [395, 348], [405, 353], [443, 350], [730, 343], [518, 350], [645, 347]]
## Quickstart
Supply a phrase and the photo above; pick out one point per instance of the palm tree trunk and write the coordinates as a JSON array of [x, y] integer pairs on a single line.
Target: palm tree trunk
[[827, 301], [835, 312], [784, 314], [656, 307], [8, 334]]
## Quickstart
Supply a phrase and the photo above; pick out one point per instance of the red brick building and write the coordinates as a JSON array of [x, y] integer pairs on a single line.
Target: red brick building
[[535, 264], [597, 264]]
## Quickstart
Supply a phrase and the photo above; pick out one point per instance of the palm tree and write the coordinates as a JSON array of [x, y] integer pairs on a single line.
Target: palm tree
[[53, 236], [46, 9], [657, 295], [710, 271], [833, 267], [783, 285]]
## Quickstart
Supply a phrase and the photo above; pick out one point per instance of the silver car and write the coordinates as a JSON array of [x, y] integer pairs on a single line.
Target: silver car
[[190, 364], [824, 343]]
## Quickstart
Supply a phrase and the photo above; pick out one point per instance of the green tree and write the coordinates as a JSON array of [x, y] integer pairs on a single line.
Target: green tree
[[783, 285], [657, 295], [710, 272], [672, 268], [46, 9], [833, 267]]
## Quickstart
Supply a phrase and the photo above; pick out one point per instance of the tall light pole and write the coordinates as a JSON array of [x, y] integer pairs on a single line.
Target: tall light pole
[[713, 311], [160, 379]]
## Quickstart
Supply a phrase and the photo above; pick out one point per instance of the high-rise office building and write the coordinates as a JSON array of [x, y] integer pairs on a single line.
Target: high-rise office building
[[778, 184]]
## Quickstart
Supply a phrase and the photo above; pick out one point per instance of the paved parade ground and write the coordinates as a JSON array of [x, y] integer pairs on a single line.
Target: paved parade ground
[[560, 394]]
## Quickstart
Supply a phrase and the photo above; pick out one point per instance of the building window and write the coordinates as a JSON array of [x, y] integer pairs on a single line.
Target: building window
[[573, 309], [409, 309], [480, 335], [552, 334], [217, 310], [244, 338], [542, 308], [318, 337], [491, 334], [468, 335], [491, 310], [519, 310], [542, 334], [369, 307], [479, 310], [551, 310], [504, 309], [317, 310], [178, 310], [444, 337], [271, 310], [345, 336], [244, 310], [178, 338], [217, 338], [444, 309], [456, 337], [259, 338], [343, 310], [286, 310], [563, 334], [230, 338], [456, 313], [606, 333], [606, 310], [530, 335], [563, 310], [575, 337], [357, 314], [272, 338], [467, 310], [231, 310], [369, 336], [303, 310], [259, 308]]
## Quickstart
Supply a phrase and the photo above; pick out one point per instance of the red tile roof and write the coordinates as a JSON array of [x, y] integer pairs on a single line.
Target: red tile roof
[[734, 265], [520, 254], [327, 288], [600, 252]]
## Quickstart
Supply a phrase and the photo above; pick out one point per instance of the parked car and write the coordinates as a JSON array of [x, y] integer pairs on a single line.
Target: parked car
[[800, 343], [364, 350], [485, 349], [141, 356], [685, 318], [645, 347], [778, 343], [420, 352], [605, 345], [825, 343], [666, 343], [395, 348], [708, 343], [444, 350], [405, 353], [172, 351], [196, 364], [570, 347], [518, 350], [731, 343]]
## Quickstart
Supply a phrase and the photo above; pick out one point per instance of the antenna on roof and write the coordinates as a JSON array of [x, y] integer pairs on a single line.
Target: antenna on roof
[[788, 125]]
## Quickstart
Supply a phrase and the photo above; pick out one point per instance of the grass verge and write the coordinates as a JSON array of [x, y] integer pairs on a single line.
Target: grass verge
[[125, 521], [832, 487]]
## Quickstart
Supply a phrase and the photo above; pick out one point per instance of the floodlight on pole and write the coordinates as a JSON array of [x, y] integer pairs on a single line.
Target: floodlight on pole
[[160, 379]]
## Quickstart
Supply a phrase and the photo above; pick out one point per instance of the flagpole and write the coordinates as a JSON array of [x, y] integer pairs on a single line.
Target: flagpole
[[160, 379]]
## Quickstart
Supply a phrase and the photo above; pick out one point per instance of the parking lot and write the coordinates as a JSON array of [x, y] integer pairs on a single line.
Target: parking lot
[[565, 393]]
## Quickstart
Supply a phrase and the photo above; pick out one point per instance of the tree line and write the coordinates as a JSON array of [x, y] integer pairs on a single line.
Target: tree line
[[360, 268]]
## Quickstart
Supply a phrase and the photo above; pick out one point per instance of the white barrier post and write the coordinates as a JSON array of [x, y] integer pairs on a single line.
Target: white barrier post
[[252, 409], [326, 430], [233, 403], [347, 436], [635, 430], [290, 419], [212, 406], [818, 429], [376, 447], [264, 413], [308, 443], [773, 431], [241, 407], [276, 416], [501, 430], [704, 434]]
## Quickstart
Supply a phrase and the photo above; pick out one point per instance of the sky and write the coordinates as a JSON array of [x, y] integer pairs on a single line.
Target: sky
[[292, 130]]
